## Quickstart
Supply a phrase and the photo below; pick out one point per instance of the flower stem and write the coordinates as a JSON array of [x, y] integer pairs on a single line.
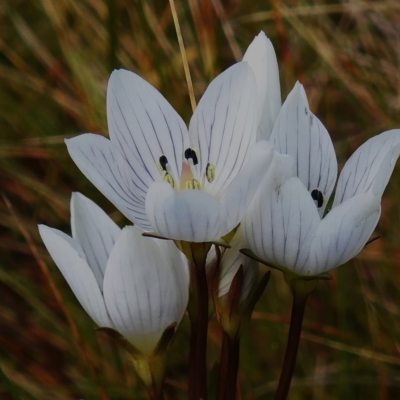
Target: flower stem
[[198, 313], [228, 367], [296, 321], [155, 394]]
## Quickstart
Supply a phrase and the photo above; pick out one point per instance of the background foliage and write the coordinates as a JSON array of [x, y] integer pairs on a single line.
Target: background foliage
[[55, 58]]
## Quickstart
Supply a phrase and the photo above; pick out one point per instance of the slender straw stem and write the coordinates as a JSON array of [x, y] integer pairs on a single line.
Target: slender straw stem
[[296, 321], [199, 328], [183, 54], [228, 367]]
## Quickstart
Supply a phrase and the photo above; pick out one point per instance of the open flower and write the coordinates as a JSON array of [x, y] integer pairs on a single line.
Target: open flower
[[287, 225], [135, 285], [184, 185]]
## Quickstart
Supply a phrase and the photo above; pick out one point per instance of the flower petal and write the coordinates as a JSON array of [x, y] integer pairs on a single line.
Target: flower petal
[[224, 125], [343, 233], [231, 261], [282, 220], [106, 168], [370, 167], [262, 59], [190, 215], [299, 133], [141, 289], [241, 191], [143, 125], [66, 254], [95, 231]]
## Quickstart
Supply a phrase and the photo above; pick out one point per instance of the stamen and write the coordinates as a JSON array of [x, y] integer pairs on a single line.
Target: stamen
[[318, 198], [168, 178], [193, 184], [162, 163], [210, 172], [191, 154]]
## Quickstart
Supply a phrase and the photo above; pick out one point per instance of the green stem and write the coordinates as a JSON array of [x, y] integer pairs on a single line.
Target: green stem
[[296, 321], [228, 367], [199, 329], [155, 394]]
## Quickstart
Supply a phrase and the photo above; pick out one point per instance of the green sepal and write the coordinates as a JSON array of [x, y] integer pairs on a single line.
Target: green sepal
[[221, 242], [194, 252], [162, 345], [233, 314], [301, 285], [229, 236], [166, 339], [286, 271], [229, 315], [256, 294], [121, 341], [250, 254], [150, 368], [154, 235]]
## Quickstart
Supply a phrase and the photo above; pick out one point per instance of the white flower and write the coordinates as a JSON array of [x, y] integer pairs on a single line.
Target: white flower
[[184, 185], [285, 225], [135, 285], [262, 59]]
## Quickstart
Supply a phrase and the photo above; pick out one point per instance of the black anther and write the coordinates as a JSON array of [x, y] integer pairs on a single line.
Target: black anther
[[318, 197], [163, 162], [190, 153]]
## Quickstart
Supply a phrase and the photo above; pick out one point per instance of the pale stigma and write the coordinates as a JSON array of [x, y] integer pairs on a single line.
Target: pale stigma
[[188, 181]]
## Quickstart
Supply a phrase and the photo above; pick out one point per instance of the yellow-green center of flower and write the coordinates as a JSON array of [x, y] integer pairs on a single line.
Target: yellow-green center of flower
[[188, 181]]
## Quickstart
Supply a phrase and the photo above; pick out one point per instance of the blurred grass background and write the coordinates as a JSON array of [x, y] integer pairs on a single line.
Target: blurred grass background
[[55, 59]]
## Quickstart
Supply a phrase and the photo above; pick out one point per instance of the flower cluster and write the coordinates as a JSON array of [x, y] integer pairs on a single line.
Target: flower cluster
[[249, 173]]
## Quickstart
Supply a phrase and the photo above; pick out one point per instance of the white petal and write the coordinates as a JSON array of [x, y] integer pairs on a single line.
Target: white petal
[[231, 261], [299, 133], [77, 273], [240, 193], [190, 215], [141, 289], [224, 125], [95, 231], [262, 59], [281, 222], [343, 232], [142, 123], [105, 167], [370, 167], [177, 268]]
